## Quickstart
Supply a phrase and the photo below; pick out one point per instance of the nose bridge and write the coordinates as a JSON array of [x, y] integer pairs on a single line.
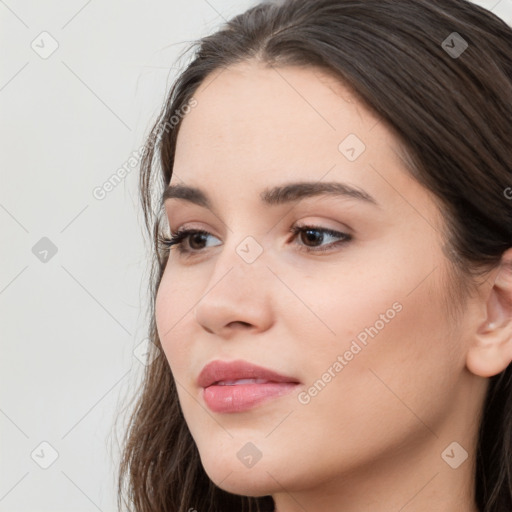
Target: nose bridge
[[243, 260], [238, 289]]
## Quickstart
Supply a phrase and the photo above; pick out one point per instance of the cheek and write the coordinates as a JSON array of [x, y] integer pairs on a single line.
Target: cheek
[[389, 325], [172, 315], [386, 315], [398, 359]]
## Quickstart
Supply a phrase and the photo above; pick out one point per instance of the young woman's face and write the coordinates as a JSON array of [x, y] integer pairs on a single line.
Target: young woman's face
[[359, 323]]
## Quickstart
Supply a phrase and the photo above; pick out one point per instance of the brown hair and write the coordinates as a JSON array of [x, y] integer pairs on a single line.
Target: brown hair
[[452, 113]]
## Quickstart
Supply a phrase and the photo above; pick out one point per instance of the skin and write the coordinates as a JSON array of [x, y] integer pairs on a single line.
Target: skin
[[373, 437]]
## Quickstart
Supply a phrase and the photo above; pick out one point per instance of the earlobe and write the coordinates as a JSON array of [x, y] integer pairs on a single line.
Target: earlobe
[[487, 359], [491, 350]]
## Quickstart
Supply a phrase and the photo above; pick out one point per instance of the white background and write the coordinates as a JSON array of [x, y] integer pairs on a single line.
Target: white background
[[69, 325]]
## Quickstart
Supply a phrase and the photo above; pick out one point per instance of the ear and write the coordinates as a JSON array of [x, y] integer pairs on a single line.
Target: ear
[[491, 350]]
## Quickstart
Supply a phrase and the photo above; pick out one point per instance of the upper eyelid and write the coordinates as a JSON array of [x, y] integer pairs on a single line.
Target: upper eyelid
[[321, 222], [187, 231], [311, 224]]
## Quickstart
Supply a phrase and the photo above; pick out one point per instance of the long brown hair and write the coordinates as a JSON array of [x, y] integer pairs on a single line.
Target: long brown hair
[[439, 74]]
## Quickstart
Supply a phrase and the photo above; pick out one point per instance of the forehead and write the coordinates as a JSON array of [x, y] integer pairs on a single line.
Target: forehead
[[252, 106], [256, 126]]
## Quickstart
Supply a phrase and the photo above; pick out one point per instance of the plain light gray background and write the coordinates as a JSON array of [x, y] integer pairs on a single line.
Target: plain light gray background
[[80, 84]]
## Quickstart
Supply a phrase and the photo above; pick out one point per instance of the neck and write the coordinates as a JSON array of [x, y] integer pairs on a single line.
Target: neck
[[407, 479]]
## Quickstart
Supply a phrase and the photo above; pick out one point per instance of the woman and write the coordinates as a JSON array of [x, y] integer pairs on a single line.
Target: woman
[[334, 303]]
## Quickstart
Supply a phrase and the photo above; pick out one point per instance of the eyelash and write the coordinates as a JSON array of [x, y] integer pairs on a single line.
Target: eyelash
[[183, 234]]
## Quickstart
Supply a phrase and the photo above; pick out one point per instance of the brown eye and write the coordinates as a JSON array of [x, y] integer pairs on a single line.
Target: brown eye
[[317, 234], [312, 236], [193, 236]]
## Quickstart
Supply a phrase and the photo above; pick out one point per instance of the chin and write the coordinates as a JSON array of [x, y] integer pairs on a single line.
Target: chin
[[233, 477]]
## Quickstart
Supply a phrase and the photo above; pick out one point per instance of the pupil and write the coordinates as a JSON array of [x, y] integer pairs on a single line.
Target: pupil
[[313, 237], [197, 235]]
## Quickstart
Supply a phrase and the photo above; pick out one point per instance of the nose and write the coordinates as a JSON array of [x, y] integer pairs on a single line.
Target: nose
[[237, 298]]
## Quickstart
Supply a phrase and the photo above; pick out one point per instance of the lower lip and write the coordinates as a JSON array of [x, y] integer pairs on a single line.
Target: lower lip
[[238, 398]]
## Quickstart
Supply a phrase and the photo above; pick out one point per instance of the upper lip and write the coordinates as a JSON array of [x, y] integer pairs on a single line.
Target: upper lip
[[216, 371]]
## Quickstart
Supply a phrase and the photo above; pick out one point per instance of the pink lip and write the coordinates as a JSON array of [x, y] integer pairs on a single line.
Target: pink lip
[[240, 397]]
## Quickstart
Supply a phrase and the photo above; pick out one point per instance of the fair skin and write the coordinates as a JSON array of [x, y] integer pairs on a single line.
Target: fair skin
[[372, 439]]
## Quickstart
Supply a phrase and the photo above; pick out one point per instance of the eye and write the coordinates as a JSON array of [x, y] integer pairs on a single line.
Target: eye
[[311, 233], [198, 236], [190, 235]]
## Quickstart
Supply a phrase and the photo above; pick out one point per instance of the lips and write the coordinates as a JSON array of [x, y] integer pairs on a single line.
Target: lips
[[233, 372], [238, 386]]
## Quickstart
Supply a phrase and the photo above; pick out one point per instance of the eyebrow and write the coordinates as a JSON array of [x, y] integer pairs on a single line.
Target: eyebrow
[[282, 194]]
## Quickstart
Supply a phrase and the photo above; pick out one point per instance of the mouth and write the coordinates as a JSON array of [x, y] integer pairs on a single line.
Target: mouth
[[238, 386], [238, 382]]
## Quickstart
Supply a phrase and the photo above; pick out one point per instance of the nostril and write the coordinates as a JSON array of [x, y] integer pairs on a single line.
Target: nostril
[[238, 322]]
